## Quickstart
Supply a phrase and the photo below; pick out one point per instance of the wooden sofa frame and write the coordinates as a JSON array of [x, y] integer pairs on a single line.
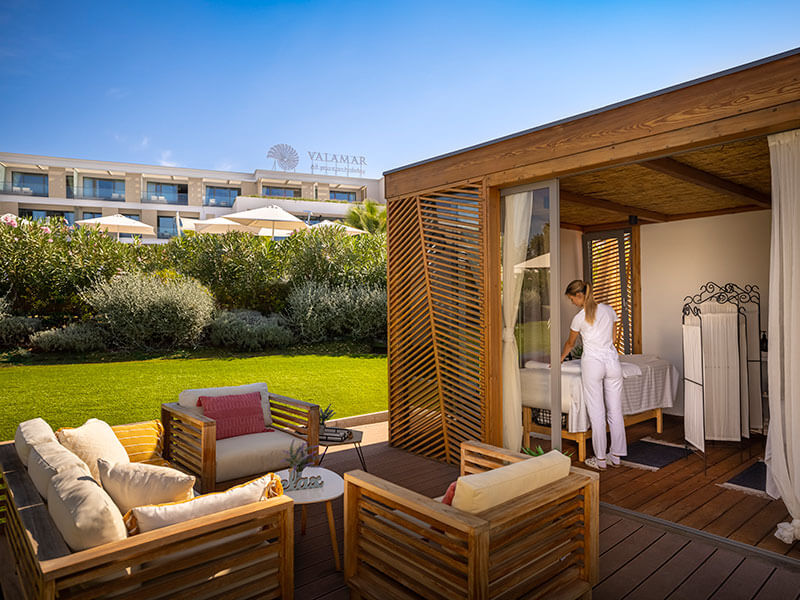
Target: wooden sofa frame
[[530, 426], [190, 439], [224, 555], [400, 544]]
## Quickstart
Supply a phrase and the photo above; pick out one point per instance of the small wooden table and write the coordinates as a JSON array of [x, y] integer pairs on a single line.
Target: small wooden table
[[332, 488], [355, 438]]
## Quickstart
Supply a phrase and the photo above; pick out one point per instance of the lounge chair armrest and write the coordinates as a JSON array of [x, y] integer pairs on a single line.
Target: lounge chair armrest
[[477, 457], [297, 417], [190, 443]]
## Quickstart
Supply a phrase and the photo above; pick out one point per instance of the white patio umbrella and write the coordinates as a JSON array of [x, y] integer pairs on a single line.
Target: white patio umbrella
[[185, 223], [273, 233], [347, 229], [221, 225], [537, 262], [118, 224], [270, 217]]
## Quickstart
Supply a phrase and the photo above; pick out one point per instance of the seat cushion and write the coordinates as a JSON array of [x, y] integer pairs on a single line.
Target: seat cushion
[[143, 441], [30, 433], [48, 459], [137, 484], [92, 440], [189, 398], [146, 518], [481, 491], [235, 414], [252, 454], [83, 512]]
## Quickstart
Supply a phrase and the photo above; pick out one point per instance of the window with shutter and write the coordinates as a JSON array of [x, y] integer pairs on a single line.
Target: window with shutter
[[608, 266]]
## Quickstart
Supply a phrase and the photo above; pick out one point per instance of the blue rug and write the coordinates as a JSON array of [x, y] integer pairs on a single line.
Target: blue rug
[[753, 480], [653, 455]]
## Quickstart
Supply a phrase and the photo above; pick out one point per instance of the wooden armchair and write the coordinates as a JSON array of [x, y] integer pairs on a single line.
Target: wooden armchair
[[245, 552], [190, 437], [400, 544]]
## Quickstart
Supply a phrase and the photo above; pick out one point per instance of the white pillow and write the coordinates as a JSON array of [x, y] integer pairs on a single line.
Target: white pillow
[[48, 459], [147, 518], [481, 491], [92, 440], [137, 484], [189, 398], [30, 433], [83, 512]]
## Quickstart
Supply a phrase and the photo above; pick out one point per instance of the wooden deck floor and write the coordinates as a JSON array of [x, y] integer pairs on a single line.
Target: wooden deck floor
[[638, 559]]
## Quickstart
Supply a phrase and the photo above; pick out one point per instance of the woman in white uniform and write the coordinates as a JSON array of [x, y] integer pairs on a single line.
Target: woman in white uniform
[[600, 372]]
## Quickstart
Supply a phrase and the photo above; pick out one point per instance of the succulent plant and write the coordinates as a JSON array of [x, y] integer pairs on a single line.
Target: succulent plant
[[539, 451]]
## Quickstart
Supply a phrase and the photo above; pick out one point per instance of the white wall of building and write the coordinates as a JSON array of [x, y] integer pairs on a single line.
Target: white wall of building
[[678, 257]]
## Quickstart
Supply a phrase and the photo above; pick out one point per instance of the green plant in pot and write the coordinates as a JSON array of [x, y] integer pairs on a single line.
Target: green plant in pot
[[325, 415], [299, 456], [539, 451]]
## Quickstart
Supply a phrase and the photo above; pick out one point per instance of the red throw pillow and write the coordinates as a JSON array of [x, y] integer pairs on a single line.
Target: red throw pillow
[[237, 414], [449, 494]]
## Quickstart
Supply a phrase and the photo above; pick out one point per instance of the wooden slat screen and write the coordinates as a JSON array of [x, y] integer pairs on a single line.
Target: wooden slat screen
[[611, 276], [436, 283]]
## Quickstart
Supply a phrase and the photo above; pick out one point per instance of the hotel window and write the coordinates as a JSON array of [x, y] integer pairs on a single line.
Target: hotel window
[[135, 218], [167, 227], [166, 193], [29, 183], [104, 189], [343, 196], [91, 215], [280, 192], [40, 215], [221, 196]]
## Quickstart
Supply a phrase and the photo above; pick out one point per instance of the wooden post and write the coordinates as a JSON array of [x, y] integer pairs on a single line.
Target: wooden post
[[352, 495], [287, 554], [208, 450], [478, 574], [493, 428], [166, 422], [591, 535]]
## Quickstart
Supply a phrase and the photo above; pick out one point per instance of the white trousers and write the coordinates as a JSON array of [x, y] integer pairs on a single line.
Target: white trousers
[[603, 374]]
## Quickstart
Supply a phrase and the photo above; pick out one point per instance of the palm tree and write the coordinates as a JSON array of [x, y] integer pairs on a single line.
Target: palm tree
[[370, 217]]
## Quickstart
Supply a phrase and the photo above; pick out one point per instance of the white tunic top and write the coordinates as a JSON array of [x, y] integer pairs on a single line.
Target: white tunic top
[[597, 340]]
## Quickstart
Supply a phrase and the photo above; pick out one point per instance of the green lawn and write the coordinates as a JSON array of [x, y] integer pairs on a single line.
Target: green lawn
[[66, 393]]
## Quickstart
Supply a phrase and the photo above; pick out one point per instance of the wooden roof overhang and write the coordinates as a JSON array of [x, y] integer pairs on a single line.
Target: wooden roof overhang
[[694, 150]]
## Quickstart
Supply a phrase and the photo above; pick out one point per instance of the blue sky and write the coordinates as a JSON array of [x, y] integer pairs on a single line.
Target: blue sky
[[214, 85]]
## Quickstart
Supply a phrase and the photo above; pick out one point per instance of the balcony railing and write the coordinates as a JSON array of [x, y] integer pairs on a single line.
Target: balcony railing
[[224, 201], [24, 189], [87, 195], [162, 198], [166, 232]]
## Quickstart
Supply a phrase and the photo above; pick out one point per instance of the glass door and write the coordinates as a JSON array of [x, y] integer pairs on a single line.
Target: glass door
[[530, 292]]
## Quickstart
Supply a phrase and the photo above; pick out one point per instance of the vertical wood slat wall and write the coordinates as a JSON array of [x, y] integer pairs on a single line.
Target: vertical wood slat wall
[[437, 285]]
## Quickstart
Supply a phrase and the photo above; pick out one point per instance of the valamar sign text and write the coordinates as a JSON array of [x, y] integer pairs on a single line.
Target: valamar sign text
[[337, 164]]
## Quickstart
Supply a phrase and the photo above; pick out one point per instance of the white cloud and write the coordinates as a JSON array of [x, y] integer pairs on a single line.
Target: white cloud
[[223, 165], [116, 93], [144, 143], [166, 159]]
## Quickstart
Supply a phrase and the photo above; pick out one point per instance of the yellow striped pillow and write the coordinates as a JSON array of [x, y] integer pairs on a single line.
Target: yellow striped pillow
[[142, 441]]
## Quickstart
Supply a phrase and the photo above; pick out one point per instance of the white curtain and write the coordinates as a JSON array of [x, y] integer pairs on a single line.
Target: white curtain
[[693, 419], [516, 233], [783, 439]]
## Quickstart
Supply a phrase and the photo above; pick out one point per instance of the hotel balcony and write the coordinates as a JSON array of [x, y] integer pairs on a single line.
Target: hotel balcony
[[84, 194], [177, 198], [24, 189]]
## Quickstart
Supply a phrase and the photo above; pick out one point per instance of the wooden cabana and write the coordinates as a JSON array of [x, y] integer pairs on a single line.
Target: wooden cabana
[[692, 151]]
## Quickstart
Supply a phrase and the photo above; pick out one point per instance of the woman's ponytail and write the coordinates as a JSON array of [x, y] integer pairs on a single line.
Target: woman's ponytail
[[589, 305]]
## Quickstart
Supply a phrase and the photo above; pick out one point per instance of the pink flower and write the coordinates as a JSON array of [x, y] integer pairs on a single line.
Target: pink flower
[[50, 240], [46, 229], [8, 219]]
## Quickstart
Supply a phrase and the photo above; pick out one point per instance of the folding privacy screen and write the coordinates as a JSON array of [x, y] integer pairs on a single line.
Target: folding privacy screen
[[722, 364]]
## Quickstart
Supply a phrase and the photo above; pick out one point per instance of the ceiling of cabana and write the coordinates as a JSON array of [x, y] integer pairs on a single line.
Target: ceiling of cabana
[[728, 178]]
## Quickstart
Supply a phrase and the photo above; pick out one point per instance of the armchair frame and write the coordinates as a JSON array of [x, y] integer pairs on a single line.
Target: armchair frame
[[190, 439], [400, 544]]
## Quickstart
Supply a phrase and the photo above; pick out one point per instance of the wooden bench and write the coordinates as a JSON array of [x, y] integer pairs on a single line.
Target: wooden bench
[[244, 552], [190, 439], [400, 544]]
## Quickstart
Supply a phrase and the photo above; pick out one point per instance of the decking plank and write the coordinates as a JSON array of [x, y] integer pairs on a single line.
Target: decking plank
[[674, 572], [614, 534], [705, 580], [745, 581], [782, 585], [616, 557]]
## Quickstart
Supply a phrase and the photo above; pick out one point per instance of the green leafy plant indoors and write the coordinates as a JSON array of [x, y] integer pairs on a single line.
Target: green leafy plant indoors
[[539, 451]]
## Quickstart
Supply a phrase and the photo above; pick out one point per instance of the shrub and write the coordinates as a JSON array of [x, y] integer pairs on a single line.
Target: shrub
[[155, 311], [75, 337], [14, 331], [249, 330], [45, 264], [319, 311]]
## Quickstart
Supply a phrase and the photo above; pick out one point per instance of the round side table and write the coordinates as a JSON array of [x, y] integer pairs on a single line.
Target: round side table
[[332, 488]]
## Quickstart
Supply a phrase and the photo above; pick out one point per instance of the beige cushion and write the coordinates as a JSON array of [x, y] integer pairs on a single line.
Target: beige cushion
[[252, 454], [92, 440], [189, 398], [147, 518], [481, 491], [48, 459], [137, 484], [83, 512], [30, 433]]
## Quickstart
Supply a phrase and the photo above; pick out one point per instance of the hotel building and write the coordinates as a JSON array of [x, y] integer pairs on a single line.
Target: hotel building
[[42, 186]]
